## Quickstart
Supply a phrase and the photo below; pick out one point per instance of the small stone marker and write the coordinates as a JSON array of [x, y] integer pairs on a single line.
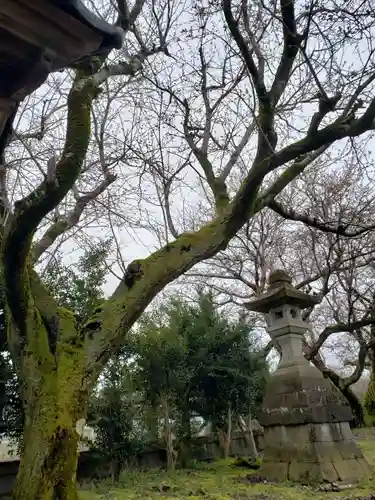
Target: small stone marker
[[307, 437]]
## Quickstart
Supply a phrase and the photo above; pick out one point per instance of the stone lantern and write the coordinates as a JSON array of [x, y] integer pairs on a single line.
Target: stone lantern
[[41, 36], [307, 436]]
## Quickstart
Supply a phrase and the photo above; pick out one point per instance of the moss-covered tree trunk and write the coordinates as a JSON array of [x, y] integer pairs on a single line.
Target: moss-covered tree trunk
[[49, 354], [45, 341], [53, 406], [49, 460]]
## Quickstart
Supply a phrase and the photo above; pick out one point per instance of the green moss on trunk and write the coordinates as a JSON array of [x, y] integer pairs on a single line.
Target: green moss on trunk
[[48, 465], [54, 402]]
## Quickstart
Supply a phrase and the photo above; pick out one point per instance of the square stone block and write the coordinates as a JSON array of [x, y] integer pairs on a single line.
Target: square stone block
[[328, 472], [345, 430], [310, 473], [326, 451], [311, 453], [302, 452], [275, 434], [287, 434], [304, 472], [351, 470], [298, 433], [349, 449], [274, 471], [309, 443], [336, 431], [366, 467], [320, 432]]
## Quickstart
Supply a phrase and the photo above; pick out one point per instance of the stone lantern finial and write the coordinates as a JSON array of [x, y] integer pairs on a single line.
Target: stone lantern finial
[[279, 278]]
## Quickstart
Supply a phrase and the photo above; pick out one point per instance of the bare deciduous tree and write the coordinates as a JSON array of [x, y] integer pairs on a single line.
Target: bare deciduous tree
[[192, 130]]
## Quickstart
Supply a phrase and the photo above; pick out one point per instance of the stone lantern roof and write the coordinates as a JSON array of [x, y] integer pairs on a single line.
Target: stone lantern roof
[[281, 291], [40, 36]]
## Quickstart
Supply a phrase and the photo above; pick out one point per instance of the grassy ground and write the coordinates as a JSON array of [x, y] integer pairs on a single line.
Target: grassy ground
[[217, 481]]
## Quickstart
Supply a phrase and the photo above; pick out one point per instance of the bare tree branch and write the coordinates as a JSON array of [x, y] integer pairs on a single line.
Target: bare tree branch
[[292, 43], [340, 229], [246, 54], [63, 225], [338, 328]]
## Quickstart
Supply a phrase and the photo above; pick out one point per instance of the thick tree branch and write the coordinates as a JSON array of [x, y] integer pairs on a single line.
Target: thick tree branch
[[245, 52], [357, 373], [253, 41], [290, 214], [127, 18], [105, 331], [168, 214], [123, 68], [337, 130], [306, 150], [30, 211], [237, 151], [326, 105], [206, 100], [337, 328], [289, 174], [292, 42], [5, 205], [217, 185]]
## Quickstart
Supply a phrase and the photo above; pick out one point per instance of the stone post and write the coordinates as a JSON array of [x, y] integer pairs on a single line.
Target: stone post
[[307, 437]]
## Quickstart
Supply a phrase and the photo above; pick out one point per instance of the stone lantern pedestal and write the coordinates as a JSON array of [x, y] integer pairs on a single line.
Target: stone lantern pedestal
[[307, 436]]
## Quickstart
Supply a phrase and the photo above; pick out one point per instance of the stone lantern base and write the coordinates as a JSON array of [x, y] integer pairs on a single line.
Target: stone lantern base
[[307, 437], [313, 453]]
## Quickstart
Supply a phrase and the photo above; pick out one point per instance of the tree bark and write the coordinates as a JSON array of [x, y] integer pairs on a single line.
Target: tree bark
[[185, 440], [50, 450], [248, 434], [53, 401], [116, 468], [225, 435], [168, 437], [228, 437]]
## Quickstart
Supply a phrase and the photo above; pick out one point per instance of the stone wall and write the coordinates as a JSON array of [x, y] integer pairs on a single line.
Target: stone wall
[[205, 448], [90, 466]]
